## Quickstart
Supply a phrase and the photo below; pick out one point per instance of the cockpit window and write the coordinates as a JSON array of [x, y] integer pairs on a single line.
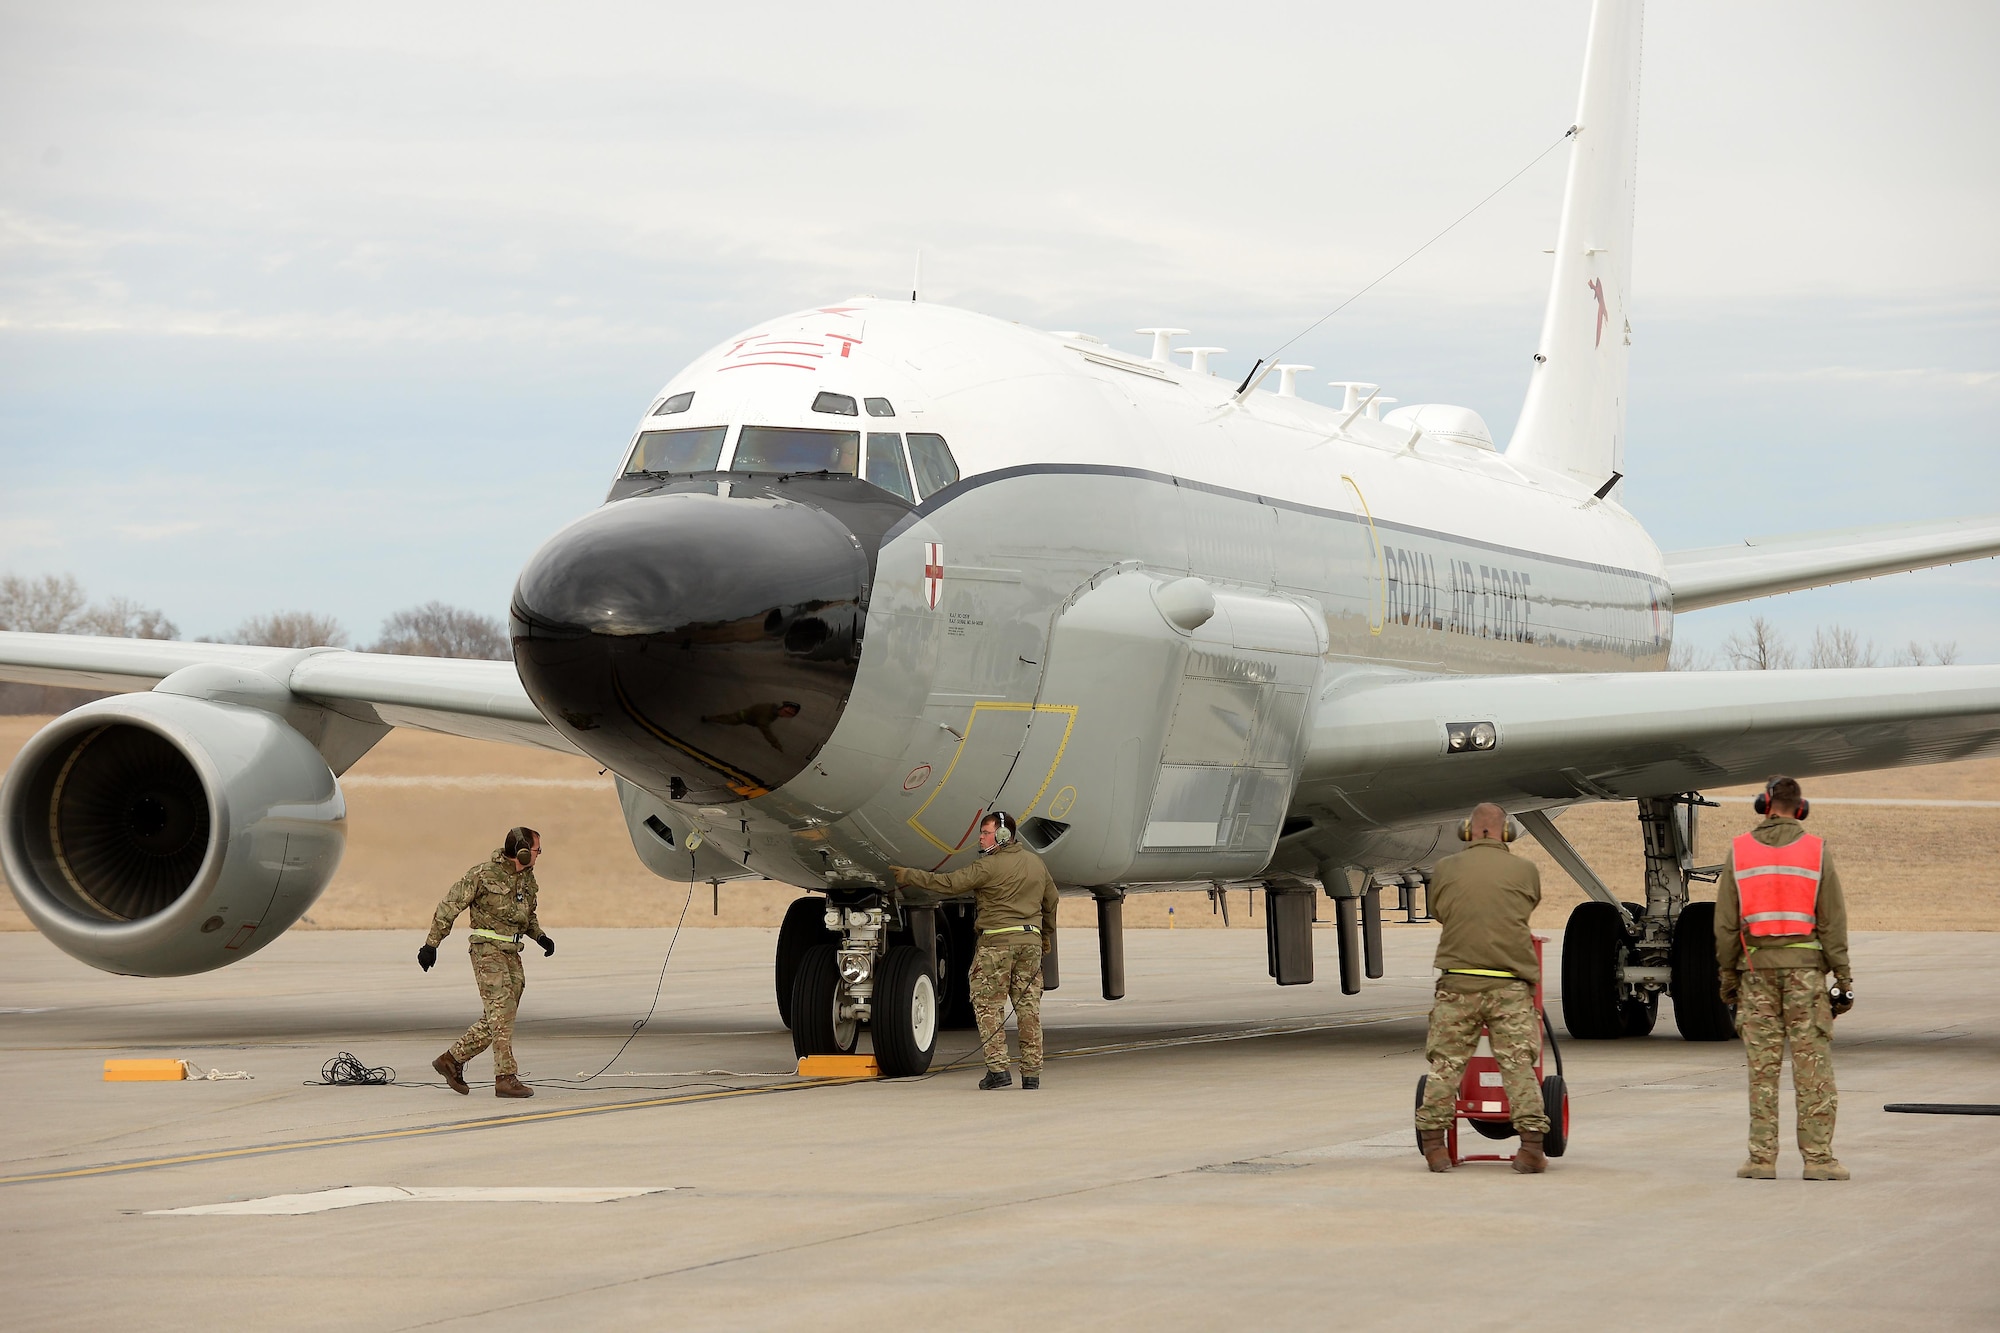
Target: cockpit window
[[880, 407], [778, 449], [680, 402], [839, 404], [693, 450], [885, 463], [931, 457]]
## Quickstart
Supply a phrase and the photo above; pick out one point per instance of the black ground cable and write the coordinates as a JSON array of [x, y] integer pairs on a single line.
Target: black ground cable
[[347, 1070], [1944, 1108], [1549, 1029], [658, 988]]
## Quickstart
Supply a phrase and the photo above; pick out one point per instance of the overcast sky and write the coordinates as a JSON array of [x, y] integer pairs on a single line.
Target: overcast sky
[[348, 307]]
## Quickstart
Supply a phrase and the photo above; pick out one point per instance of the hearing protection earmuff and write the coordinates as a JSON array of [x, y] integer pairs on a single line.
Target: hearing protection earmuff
[[1762, 805], [1003, 827], [1508, 832]]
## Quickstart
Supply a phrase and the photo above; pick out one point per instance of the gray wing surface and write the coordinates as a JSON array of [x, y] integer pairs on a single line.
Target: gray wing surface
[[479, 700], [1378, 744], [1719, 575]]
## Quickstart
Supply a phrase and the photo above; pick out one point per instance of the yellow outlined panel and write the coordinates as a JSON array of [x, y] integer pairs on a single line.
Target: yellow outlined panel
[[915, 821]]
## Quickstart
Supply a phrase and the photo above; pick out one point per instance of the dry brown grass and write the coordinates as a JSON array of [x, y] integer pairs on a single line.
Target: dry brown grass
[[1905, 868]]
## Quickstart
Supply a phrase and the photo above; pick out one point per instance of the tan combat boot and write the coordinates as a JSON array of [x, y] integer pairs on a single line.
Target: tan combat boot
[[1756, 1170], [453, 1070], [507, 1085], [1827, 1170], [1436, 1156], [1529, 1160]]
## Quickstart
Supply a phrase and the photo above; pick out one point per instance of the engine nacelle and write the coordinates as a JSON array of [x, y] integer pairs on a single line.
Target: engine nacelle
[[161, 834]]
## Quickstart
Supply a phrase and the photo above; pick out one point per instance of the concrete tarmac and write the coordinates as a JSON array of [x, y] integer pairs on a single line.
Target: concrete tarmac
[[1211, 1150]]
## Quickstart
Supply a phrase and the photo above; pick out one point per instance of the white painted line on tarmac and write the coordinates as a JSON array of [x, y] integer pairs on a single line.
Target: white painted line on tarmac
[[356, 1196]]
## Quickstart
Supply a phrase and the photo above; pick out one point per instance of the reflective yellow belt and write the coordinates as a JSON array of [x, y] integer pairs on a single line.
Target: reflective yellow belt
[[1784, 946], [480, 933], [1009, 930], [1478, 972]]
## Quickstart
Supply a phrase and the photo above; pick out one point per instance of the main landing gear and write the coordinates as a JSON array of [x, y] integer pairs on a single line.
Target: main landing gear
[[843, 965], [1619, 958]]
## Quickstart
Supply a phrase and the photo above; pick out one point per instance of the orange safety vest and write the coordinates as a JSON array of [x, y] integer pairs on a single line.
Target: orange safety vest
[[1778, 887]]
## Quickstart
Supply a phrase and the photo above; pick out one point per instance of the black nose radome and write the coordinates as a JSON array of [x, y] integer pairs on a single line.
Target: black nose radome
[[701, 646]]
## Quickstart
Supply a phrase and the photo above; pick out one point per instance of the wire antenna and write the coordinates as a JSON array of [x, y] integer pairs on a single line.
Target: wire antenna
[[1563, 138]]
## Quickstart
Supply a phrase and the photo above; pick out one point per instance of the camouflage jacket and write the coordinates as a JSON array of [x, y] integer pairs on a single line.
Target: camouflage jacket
[[501, 898], [1825, 948], [1011, 885]]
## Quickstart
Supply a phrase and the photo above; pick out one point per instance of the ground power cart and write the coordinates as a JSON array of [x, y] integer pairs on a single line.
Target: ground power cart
[[1482, 1100]]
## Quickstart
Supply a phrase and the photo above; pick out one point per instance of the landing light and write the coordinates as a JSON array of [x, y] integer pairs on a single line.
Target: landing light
[[1466, 737]]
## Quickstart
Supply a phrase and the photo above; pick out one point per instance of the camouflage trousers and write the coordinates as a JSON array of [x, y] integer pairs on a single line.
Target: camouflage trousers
[[1009, 967], [1773, 1007], [1507, 1015], [501, 981]]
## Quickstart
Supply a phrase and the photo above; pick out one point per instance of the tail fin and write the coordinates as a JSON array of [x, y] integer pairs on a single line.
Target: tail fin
[[1573, 422]]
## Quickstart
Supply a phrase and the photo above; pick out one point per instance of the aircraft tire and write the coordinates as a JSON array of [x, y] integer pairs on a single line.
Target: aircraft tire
[[816, 1028], [803, 927], [1555, 1105], [905, 1021], [1592, 943], [1699, 1012]]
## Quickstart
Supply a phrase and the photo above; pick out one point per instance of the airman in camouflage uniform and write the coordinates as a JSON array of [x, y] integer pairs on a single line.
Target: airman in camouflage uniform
[[1016, 900], [1483, 898], [1778, 985], [500, 892]]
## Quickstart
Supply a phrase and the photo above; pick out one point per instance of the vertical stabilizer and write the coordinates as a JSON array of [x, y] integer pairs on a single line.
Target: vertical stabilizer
[[1573, 422]]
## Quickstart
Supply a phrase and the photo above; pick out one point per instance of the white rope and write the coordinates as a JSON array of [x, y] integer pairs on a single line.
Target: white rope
[[192, 1073]]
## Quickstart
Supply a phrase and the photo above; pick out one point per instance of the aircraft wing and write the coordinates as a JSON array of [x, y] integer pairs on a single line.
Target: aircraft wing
[[1380, 748], [480, 700], [1759, 567]]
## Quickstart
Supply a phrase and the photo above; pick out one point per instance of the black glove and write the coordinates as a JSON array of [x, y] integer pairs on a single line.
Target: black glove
[[548, 946], [1842, 997], [426, 956]]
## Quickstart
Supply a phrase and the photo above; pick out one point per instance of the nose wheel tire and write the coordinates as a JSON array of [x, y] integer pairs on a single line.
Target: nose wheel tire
[[804, 926], [1699, 1011], [817, 1027], [906, 1012]]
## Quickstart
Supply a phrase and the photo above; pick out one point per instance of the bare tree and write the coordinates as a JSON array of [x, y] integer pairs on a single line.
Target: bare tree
[[1940, 653], [292, 629], [1684, 656], [1761, 648], [50, 604], [1838, 646], [437, 630], [123, 618]]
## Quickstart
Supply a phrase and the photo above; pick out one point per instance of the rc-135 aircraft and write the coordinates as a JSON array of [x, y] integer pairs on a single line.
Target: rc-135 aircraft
[[873, 569]]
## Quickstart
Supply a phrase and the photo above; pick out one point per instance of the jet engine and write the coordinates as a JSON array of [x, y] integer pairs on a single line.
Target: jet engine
[[163, 834]]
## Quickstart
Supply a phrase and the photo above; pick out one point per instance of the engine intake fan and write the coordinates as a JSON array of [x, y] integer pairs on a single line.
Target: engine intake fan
[[161, 834]]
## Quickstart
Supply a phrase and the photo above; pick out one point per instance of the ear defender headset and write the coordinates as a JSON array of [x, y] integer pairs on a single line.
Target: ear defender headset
[[1762, 805], [1003, 830], [1508, 832]]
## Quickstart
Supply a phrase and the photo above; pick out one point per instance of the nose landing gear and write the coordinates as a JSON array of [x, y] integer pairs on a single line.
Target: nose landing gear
[[856, 978]]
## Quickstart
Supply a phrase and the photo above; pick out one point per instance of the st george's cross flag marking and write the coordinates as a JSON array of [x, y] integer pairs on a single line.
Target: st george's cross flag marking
[[933, 573]]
